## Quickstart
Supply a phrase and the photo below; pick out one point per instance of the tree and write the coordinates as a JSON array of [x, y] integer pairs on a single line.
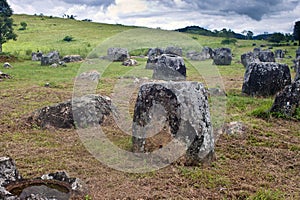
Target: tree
[[6, 24], [276, 37], [297, 31]]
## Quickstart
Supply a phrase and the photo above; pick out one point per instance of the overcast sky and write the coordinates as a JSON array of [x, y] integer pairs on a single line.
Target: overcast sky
[[258, 16]]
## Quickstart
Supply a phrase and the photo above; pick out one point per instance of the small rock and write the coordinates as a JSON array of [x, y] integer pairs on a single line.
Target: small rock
[[130, 62], [7, 65], [234, 128]]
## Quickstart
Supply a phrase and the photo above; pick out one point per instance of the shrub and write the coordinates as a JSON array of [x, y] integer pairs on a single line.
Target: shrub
[[24, 26], [229, 41], [68, 38]]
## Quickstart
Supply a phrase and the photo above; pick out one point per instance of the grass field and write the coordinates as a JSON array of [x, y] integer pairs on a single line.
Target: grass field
[[262, 163]]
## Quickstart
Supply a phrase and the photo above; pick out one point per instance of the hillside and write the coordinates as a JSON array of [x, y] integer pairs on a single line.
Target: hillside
[[263, 162]]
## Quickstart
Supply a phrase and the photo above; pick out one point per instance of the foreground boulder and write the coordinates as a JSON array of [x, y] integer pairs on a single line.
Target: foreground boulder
[[169, 67], [86, 111], [14, 187], [266, 56], [50, 58], [183, 108], [248, 58], [288, 100], [117, 54], [265, 79], [223, 56]]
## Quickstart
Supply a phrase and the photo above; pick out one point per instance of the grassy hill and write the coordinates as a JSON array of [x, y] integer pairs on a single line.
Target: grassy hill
[[261, 163]]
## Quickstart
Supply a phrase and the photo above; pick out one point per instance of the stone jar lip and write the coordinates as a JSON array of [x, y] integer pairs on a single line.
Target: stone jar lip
[[31, 182]]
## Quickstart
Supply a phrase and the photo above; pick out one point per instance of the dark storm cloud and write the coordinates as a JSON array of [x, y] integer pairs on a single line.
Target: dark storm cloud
[[104, 3], [255, 9]]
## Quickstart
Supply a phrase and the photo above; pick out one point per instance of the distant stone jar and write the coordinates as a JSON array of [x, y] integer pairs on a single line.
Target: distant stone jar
[[265, 78], [223, 56]]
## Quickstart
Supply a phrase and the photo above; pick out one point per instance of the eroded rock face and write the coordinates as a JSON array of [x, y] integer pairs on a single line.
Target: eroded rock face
[[266, 56], [117, 54], [265, 79], [50, 58], [223, 56], [288, 100], [85, 111], [248, 58], [169, 67], [184, 109]]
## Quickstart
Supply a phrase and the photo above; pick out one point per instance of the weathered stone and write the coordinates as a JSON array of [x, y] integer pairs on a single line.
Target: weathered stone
[[155, 52], [206, 53], [256, 52], [76, 184], [297, 68], [89, 76], [288, 100], [86, 111], [72, 58], [7, 65], [298, 52], [169, 67], [184, 109], [232, 128], [117, 54], [153, 55], [4, 76], [279, 53], [223, 56], [174, 51], [50, 58], [266, 56], [130, 62], [248, 58], [8, 171], [36, 56], [265, 79]]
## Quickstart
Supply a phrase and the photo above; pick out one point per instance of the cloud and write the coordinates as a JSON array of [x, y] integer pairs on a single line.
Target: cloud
[[104, 3], [254, 9], [256, 15]]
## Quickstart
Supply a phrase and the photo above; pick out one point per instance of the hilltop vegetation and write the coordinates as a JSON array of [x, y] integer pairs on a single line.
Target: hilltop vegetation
[[261, 163]]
